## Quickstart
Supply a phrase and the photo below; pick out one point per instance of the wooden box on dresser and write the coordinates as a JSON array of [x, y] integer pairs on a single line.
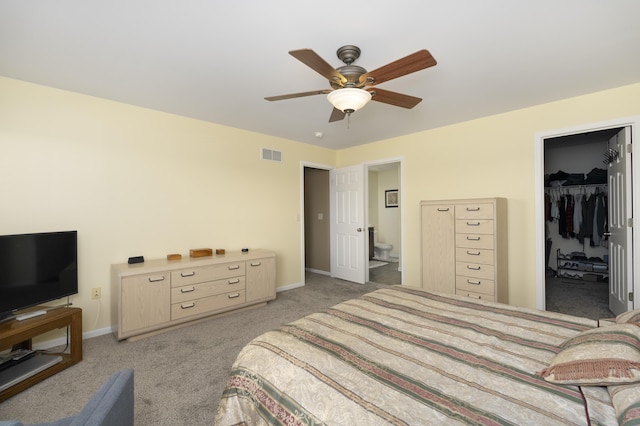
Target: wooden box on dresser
[[159, 294], [464, 247]]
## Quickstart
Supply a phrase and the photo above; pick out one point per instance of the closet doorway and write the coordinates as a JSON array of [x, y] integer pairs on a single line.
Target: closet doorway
[[587, 200]]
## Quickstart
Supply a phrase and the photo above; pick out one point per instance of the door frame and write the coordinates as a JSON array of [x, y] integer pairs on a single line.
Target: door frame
[[303, 164], [632, 122], [401, 205]]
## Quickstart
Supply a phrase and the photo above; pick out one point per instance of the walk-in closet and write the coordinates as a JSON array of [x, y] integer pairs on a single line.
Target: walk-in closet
[[576, 223]]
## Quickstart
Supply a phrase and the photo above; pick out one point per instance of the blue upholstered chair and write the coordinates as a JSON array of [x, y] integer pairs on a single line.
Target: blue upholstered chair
[[112, 405]]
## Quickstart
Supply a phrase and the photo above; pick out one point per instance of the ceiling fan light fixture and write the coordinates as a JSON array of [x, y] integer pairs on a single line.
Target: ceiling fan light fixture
[[349, 99]]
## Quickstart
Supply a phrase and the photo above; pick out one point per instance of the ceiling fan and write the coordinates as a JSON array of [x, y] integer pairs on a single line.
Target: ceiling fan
[[352, 85]]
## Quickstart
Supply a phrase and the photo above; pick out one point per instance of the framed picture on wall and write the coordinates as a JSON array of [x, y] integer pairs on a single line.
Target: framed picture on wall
[[391, 198]]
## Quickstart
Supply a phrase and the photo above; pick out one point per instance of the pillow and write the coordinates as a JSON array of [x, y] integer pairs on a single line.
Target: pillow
[[631, 316], [598, 357], [626, 401]]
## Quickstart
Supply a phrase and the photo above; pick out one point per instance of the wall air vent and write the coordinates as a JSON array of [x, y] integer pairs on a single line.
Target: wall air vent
[[271, 154]]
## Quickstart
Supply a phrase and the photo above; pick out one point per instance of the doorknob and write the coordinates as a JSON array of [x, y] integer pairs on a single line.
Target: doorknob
[[359, 229], [606, 234]]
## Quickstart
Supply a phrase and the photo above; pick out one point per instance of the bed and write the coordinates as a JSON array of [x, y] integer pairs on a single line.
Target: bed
[[405, 356]]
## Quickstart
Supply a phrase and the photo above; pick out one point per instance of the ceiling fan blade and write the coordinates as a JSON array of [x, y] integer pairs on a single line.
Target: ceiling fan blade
[[394, 98], [415, 62], [336, 115], [298, 95], [319, 65]]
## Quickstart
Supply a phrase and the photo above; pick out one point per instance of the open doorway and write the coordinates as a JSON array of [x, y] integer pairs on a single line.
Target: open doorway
[[384, 216], [576, 223], [584, 212]]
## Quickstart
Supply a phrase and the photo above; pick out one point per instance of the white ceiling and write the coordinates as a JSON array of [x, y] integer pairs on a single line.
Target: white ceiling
[[217, 60]]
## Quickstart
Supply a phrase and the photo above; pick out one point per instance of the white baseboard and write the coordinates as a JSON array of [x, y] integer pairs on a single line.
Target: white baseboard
[[289, 287], [317, 271]]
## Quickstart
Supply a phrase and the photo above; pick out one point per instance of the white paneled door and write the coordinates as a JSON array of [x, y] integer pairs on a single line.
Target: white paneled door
[[348, 256], [620, 212]]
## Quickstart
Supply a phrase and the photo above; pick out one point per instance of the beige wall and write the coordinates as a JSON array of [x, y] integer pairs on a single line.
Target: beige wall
[[492, 156], [134, 181]]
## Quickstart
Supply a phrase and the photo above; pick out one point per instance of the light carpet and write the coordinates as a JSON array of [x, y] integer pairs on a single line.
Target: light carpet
[[179, 375]]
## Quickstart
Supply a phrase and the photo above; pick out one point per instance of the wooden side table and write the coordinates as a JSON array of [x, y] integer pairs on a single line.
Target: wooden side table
[[16, 334]]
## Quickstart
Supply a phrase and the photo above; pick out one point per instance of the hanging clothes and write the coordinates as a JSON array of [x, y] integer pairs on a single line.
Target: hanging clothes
[[577, 214]]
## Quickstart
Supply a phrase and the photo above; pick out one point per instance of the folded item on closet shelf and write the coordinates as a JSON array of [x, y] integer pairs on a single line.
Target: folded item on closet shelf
[[559, 175], [574, 179], [596, 176]]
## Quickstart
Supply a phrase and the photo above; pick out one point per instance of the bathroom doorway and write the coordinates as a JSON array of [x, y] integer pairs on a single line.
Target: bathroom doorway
[[384, 219]]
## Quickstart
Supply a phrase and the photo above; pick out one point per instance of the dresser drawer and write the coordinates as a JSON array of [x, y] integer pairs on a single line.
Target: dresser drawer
[[475, 285], [475, 211], [480, 296], [207, 304], [206, 273], [475, 270], [201, 290], [478, 241], [471, 255], [474, 226]]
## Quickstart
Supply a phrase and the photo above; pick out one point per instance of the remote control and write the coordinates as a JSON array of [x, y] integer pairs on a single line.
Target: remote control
[[21, 353]]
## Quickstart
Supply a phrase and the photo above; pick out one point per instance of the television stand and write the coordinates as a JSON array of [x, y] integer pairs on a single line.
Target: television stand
[[16, 334]]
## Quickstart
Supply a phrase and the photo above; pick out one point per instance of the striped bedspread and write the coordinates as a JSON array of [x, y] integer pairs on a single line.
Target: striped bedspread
[[405, 356]]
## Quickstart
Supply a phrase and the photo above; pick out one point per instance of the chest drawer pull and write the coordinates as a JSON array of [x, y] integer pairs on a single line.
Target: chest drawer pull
[[473, 253], [473, 282], [188, 306], [473, 223], [443, 209], [256, 263], [474, 268], [473, 209], [231, 268], [236, 281], [233, 296], [187, 290], [187, 274], [156, 279], [470, 238]]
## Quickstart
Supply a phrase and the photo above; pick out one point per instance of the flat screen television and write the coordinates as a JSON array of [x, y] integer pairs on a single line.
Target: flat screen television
[[37, 268]]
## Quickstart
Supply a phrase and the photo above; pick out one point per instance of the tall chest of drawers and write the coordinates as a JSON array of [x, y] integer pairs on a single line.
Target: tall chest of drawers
[[464, 247], [160, 294]]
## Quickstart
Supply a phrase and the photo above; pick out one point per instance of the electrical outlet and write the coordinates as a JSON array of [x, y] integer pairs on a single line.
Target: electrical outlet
[[96, 293]]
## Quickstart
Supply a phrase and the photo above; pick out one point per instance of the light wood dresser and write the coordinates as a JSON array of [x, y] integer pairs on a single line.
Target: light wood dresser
[[161, 294], [464, 247]]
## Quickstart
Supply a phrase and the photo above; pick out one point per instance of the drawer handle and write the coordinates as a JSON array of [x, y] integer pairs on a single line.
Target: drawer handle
[[256, 264], [475, 268], [231, 268], [473, 209], [473, 223], [233, 296], [473, 282], [187, 290], [187, 274], [470, 238], [156, 279], [443, 209], [473, 253], [189, 306], [236, 281]]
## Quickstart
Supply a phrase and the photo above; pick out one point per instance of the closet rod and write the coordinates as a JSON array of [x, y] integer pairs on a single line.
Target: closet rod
[[570, 187]]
